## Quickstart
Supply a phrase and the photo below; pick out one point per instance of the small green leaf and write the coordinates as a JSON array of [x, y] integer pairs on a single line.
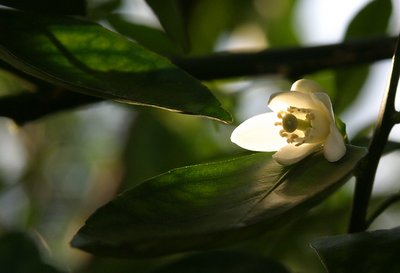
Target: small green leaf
[[170, 17], [218, 261], [88, 58], [212, 205], [19, 254], [367, 252]]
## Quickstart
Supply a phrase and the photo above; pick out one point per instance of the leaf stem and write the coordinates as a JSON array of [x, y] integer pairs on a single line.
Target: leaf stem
[[365, 173]]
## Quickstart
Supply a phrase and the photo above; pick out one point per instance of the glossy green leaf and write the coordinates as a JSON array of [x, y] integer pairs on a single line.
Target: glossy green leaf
[[218, 261], [88, 58], [19, 254], [170, 17], [367, 252], [372, 20], [211, 205]]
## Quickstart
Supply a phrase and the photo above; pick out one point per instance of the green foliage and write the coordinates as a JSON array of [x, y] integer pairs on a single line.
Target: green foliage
[[375, 251], [170, 16], [211, 205], [151, 38], [87, 58], [141, 176]]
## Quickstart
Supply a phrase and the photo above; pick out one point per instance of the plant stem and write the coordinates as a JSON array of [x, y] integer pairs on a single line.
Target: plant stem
[[365, 173]]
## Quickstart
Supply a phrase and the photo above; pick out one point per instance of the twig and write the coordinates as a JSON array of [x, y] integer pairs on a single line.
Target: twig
[[365, 173], [288, 62]]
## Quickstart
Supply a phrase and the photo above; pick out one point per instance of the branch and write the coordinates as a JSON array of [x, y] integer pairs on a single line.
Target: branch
[[289, 62], [365, 174]]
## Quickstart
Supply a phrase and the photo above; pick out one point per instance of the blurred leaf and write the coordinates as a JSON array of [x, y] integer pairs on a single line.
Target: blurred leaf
[[367, 252], [98, 10], [209, 19], [87, 58], [217, 262], [151, 38], [49, 6], [211, 205], [170, 17], [279, 22], [19, 254], [372, 20], [152, 149]]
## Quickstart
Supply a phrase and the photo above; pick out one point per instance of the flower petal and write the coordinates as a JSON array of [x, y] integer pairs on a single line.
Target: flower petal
[[334, 148], [282, 100], [291, 154], [306, 86], [259, 133], [324, 98]]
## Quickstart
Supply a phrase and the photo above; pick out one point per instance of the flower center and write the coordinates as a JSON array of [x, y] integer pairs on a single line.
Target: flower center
[[296, 125], [289, 123]]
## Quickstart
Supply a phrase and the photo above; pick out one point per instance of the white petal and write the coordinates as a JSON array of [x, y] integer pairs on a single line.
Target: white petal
[[291, 154], [326, 101], [334, 148], [306, 86], [282, 100], [259, 133]]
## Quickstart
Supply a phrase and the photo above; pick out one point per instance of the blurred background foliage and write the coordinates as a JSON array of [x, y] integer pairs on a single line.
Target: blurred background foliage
[[56, 171]]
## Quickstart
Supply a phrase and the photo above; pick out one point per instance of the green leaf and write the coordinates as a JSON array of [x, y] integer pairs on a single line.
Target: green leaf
[[372, 20], [207, 22], [147, 141], [218, 261], [367, 252], [151, 38], [88, 58], [170, 17], [19, 254], [211, 205]]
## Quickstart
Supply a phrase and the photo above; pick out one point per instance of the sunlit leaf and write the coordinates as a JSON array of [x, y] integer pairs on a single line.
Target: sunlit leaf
[[367, 252], [19, 254], [170, 17], [372, 20], [217, 262], [88, 58], [211, 205]]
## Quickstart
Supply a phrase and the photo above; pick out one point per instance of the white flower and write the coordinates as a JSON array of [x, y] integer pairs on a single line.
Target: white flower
[[302, 123]]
